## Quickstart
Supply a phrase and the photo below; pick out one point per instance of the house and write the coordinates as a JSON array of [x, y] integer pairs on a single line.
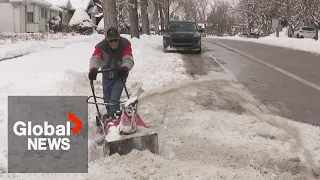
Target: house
[[26, 16]]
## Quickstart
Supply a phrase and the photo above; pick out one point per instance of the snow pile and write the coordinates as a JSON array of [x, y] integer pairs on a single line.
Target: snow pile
[[208, 128], [81, 22], [75, 4], [60, 3], [81, 18], [154, 67], [309, 45]]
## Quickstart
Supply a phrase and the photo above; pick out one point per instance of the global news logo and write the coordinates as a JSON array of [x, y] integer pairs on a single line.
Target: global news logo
[[47, 136]]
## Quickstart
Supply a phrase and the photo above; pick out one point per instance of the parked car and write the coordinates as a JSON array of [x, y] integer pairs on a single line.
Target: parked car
[[305, 32], [182, 35]]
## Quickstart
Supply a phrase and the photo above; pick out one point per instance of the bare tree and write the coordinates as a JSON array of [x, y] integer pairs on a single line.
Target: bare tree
[[161, 15], [312, 12], [220, 18], [190, 10], [212, 20], [203, 5], [156, 16], [123, 16], [248, 8], [134, 21], [291, 11], [109, 14], [175, 6], [166, 12], [144, 17]]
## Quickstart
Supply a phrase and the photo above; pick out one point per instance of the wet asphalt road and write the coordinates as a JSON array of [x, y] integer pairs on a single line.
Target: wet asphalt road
[[285, 79]]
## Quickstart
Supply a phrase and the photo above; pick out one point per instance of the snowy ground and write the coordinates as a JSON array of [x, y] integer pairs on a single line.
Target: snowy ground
[[9, 48], [9, 38], [209, 128], [309, 45]]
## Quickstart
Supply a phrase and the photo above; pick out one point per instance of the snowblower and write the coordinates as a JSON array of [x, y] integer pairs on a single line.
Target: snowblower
[[127, 131]]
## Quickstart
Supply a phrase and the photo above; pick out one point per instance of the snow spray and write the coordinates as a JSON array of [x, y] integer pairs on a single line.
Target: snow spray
[[233, 92]]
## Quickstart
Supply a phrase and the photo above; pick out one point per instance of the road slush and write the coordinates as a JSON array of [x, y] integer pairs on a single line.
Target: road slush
[[48, 142]]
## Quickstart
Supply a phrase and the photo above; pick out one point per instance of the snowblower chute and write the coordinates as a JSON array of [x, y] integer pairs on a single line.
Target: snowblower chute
[[127, 131]]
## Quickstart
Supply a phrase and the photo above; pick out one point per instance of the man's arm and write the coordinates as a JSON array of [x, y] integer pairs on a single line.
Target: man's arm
[[96, 59], [127, 58]]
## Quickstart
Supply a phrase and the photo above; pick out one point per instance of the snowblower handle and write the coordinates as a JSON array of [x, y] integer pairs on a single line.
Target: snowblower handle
[[107, 70], [125, 88], [94, 96]]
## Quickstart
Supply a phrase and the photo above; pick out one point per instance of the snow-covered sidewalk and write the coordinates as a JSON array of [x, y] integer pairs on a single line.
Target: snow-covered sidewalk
[[200, 137], [309, 45]]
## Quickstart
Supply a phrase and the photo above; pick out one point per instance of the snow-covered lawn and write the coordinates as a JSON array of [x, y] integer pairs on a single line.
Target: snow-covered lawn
[[197, 139], [10, 50], [9, 38], [309, 45]]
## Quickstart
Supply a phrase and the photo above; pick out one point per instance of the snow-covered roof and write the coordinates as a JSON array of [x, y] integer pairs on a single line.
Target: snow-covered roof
[[55, 8], [40, 3], [61, 3]]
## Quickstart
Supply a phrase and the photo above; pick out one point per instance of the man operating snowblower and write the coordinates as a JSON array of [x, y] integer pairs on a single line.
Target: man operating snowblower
[[124, 131], [114, 52]]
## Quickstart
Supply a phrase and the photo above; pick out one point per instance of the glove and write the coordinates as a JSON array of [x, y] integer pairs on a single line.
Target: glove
[[93, 74], [123, 72]]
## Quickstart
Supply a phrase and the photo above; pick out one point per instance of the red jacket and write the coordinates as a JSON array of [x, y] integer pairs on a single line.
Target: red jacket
[[106, 58]]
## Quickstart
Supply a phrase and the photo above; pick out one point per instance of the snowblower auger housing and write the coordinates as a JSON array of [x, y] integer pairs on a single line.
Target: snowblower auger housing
[[131, 132]]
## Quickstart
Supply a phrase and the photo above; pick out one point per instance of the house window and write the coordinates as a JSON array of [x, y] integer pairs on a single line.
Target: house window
[[30, 17], [43, 13]]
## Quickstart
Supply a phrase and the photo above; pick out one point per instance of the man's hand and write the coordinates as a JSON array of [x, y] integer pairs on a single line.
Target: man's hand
[[123, 72], [93, 74]]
